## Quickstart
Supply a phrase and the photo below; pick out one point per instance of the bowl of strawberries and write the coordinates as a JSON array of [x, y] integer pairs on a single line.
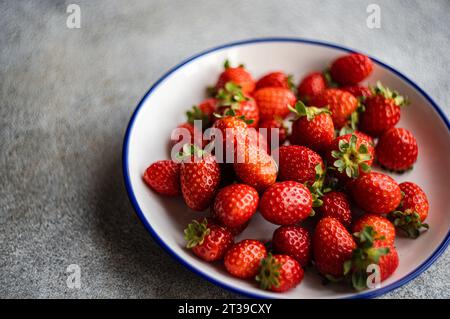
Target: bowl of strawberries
[[289, 168]]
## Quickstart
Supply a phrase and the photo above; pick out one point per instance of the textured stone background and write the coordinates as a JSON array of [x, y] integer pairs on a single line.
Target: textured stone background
[[66, 97]]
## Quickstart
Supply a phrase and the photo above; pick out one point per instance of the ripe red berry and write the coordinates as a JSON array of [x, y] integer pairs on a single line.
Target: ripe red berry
[[279, 273], [286, 203], [351, 69], [235, 204], [207, 240], [163, 177], [273, 102], [313, 128], [337, 205], [273, 79], [412, 211], [332, 246], [341, 104], [376, 193], [311, 85], [238, 75], [397, 149], [298, 163], [243, 259], [276, 123], [381, 225], [294, 241], [358, 91]]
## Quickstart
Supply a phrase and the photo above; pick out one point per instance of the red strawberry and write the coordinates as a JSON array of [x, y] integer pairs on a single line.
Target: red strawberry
[[294, 241], [234, 131], [243, 259], [313, 127], [279, 273], [200, 178], [311, 85], [298, 163], [397, 149], [381, 225], [235, 205], [341, 104], [332, 246], [382, 111], [358, 90], [274, 101], [376, 193], [337, 205], [275, 123], [164, 177], [351, 155], [351, 69], [371, 250], [412, 211], [238, 75], [274, 79], [207, 240], [255, 167], [286, 203], [232, 97]]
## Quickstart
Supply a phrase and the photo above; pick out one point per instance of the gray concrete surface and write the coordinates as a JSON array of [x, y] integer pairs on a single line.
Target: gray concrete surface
[[66, 97]]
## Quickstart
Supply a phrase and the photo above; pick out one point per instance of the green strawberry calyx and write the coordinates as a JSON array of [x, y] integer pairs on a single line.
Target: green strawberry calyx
[[408, 221], [269, 273], [379, 89], [291, 84], [350, 158], [363, 255], [190, 150], [232, 112], [353, 120], [231, 95], [196, 114], [195, 233], [317, 188], [310, 112]]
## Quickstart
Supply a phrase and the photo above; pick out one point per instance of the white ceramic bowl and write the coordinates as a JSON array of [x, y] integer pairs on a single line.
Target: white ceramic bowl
[[164, 105]]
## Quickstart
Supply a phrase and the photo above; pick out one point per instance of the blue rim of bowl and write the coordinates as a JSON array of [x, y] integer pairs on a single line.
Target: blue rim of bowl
[[369, 294]]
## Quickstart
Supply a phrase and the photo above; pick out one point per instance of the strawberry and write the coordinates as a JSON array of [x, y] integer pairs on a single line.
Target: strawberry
[[235, 204], [238, 75], [279, 273], [203, 112], [382, 111], [313, 127], [232, 97], [294, 241], [376, 193], [341, 104], [274, 79], [371, 249], [351, 155], [337, 205], [381, 225], [163, 177], [234, 131], [199, 177], [412, 211], [243, 259], [397, 149], [351, 69], [311, 85], [274, 101], [277, 124], [358, 91], [207, 240], [255, 167], [298, 163], [332, 246], [286, 203]]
